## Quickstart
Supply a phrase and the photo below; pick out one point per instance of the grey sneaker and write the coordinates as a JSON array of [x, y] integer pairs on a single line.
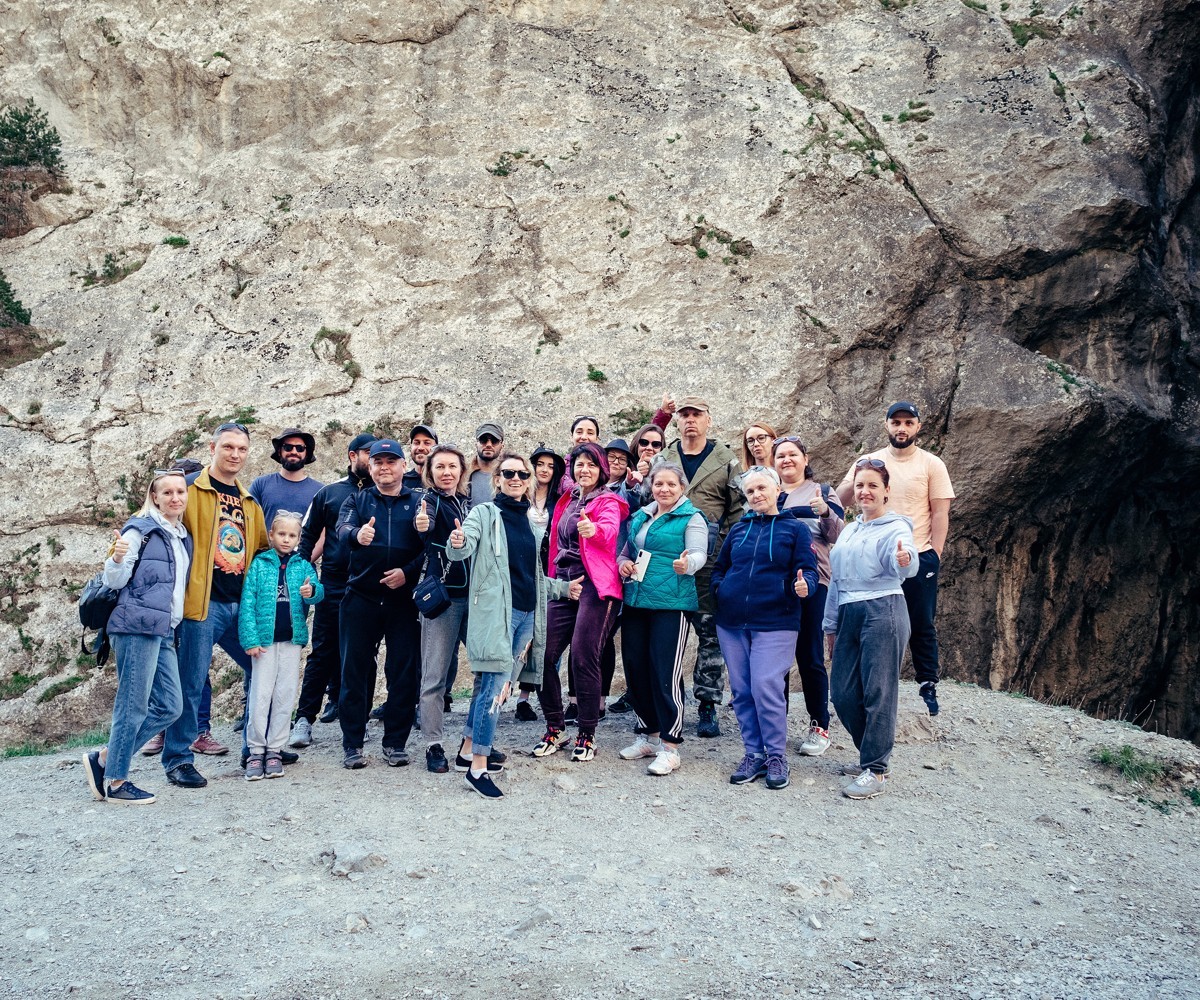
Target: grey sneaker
[[273, 767], [354, 759], [851, 770], [750, 769], [816, 742], [255, 767], [395, 756], [866, 786], [778, 774], [301, 734]]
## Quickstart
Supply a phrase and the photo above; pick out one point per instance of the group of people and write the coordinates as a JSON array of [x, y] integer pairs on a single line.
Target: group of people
[[527, 562]]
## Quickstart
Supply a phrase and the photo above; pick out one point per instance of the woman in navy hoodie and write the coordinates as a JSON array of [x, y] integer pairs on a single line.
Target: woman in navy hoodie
[[766, 566], [866, 624]]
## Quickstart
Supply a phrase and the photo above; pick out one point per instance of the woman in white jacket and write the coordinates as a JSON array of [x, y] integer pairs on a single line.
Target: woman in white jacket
[[866, 624]]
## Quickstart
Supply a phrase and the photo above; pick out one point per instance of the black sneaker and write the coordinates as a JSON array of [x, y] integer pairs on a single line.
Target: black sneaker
[[94, 771], [572, 713], [495, 763], [525, 712], [129, 795], [621, 705], [354, 759], [239, 725], [447, 701], [929, 696], [483, 785], [330, 714], [287, 757], [186, 776], [395, 756], [435, 759], [707, 727], [377, 713]]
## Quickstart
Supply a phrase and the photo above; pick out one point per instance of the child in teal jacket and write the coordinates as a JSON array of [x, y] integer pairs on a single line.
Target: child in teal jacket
[[273, 628]]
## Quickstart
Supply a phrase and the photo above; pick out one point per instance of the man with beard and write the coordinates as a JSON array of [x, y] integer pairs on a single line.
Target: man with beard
[[386, 554], [489, 441], [421, 441], [291, 488], [920, 489], [319, 540], [712, 470]]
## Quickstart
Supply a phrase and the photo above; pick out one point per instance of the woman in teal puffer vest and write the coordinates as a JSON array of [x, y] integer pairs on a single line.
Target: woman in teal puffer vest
[[668, 543]]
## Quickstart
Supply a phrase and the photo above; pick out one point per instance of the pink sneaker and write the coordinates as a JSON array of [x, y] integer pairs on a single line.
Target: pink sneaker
[[204, 743]]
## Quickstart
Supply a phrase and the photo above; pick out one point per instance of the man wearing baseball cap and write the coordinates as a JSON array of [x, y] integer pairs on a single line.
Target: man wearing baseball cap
[[712, 470], [386, 554], [319, 540], [920, 489], [421, 441], [489, 442], [291, 488]]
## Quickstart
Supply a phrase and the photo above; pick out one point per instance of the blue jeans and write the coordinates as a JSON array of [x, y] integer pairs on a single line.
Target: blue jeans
[[758, 662], [480, 727], [148, 696], [196, 642]]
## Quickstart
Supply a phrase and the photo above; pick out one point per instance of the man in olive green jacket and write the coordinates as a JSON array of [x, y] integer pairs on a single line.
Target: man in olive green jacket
[[712, 470]]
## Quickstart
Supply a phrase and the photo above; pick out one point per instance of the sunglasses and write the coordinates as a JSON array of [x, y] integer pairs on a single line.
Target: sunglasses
[[870, 463], [488, 439], [302, 448], [520, 474], [232, 426], [647, 443], [786, 438]]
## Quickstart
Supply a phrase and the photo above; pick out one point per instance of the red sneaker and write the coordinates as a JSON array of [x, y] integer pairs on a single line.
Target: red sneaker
[[204, 743], [154, 746]]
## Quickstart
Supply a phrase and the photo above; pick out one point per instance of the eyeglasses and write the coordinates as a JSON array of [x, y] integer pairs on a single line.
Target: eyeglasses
[[758, 438], [302, 448], [647, 443], [488, 439], [520, 474], [870, 463]]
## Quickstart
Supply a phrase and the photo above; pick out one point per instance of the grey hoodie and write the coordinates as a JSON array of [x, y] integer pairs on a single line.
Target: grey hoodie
[[863, 563]]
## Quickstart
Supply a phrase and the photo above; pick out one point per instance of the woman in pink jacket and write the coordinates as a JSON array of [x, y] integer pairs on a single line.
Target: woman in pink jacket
[[583, 551]]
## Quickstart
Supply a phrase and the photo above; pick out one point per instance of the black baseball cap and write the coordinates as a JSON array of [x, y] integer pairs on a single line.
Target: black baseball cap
[[361, 441], [386, 446], [903, 406], [423, 429]]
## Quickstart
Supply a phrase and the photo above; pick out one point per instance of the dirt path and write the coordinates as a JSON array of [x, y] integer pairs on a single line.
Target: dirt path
[[1002, 863]]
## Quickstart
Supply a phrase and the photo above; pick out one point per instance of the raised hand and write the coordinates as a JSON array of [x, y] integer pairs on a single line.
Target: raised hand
[[306, 588], [643, 467], [680, 565], [457, 538], [575, 589], [801, 585], [366, 534], [586, 528], [818, 504], [903, 558], [668, 402], [422, 520], [120, 547]]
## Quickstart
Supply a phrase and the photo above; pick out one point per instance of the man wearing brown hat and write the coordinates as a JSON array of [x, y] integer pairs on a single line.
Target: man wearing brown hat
[[712, 470], [291, 488]]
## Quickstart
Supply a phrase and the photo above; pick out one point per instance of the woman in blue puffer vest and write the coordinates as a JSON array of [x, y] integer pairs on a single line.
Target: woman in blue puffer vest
[[149, 565], [668, 543]]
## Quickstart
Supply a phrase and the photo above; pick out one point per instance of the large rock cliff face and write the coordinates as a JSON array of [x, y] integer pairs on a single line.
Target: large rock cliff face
[[800, 210]]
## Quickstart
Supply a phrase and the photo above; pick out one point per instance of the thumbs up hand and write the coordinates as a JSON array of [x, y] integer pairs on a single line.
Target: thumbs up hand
[[903, 558], [680, 565], [801, 585], [120, 547], [422, 520], [366, 534], [575, 589], [586, 528], [818, 504], [457, 538], [306, 588]]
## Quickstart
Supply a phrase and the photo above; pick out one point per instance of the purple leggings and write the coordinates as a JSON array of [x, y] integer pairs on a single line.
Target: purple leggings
[[585, 626], [758, 662]]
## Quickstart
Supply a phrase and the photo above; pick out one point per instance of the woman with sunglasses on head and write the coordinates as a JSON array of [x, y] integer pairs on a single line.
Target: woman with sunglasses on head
[[765, 568], [444, 503], [866, 624], [506, 630], [583, 555], [148, 565], [756, 445], [817, 505]]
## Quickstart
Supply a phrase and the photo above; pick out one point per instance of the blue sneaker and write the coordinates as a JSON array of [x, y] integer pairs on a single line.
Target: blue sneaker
[[94, 771], [752, 767], [129, 795]]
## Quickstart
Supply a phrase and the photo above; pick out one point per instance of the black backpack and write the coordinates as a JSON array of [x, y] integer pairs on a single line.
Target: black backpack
[[96, 603]]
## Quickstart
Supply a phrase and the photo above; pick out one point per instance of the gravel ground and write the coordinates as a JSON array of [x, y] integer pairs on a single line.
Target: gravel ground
[[1001, 863]]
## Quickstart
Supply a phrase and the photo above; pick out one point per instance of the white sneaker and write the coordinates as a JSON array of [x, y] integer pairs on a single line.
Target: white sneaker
[[301, 734], [866, 786], [665, 761], [641, 747], [816, 742]]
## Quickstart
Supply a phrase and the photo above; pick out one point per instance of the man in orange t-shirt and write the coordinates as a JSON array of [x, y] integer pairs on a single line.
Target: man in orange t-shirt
[[920, 489]]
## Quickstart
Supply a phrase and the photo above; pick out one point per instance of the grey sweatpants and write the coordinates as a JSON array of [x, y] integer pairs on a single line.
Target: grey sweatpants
[[274, 688], [440, 638], [864, 683]]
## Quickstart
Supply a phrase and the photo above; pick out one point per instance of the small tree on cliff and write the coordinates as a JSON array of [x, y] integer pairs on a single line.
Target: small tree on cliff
[[12, 313], [27, 139]]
